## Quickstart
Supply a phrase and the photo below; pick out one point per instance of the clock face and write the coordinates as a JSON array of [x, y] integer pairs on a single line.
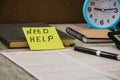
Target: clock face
[[103, 13]]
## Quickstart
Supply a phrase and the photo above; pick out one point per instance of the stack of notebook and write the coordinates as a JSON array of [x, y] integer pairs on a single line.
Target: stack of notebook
[[13, 37]]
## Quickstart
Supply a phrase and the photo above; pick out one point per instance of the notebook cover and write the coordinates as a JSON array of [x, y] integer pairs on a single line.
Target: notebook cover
[[89, 35], [94, 33]]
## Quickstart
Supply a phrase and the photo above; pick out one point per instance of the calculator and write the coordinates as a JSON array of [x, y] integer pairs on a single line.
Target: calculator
[[115, 37]]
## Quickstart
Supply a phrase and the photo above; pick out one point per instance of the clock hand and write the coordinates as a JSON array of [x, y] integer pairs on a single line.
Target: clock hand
[[98, 9], [116, 9], [110, 9]]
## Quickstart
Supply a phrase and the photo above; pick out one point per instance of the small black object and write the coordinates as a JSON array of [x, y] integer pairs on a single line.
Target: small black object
[[97, 52], [115, 36]]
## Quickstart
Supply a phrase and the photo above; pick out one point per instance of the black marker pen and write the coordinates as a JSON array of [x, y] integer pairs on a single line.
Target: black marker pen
[[97, 52]]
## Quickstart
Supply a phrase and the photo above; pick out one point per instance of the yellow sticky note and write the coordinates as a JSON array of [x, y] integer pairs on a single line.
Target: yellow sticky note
[[42, 38]]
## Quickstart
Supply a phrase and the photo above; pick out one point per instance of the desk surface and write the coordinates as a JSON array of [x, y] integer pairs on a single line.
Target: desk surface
[[65, 64]]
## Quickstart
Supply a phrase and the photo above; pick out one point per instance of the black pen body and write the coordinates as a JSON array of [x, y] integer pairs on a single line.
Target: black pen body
[[97, 52], [109, 55]]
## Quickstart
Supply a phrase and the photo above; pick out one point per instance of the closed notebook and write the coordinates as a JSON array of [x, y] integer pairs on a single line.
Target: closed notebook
[[90, 35], [13, 37]]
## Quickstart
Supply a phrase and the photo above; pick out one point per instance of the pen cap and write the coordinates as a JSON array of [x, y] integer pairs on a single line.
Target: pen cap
[[85, 50]]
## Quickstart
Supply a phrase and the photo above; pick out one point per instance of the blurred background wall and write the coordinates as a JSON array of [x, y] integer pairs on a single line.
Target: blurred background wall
[[41, 11]]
